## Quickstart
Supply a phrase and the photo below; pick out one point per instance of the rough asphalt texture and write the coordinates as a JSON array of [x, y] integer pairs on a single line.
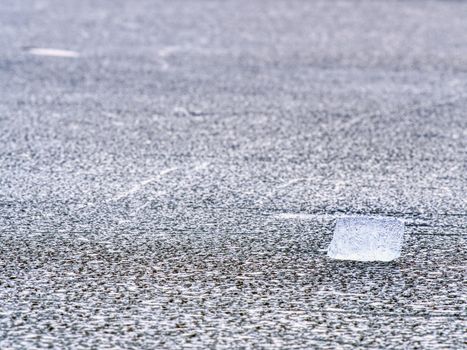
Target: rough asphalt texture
[[176, 185]]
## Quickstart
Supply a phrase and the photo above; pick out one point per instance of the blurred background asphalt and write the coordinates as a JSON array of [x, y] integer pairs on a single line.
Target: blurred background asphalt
[[173, 181]]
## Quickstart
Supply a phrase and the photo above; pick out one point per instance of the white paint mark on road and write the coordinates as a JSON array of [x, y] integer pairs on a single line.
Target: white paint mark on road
[[38, 51], [142, 184]]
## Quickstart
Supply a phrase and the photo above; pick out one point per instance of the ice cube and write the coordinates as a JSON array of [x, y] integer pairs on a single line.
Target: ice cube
[[367, 238]]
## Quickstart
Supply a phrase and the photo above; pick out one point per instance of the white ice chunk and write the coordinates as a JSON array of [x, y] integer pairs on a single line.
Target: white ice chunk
[[367, 238], [39, 51]]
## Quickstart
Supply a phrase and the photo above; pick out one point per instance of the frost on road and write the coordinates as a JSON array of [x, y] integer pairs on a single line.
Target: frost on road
[[171, 173]]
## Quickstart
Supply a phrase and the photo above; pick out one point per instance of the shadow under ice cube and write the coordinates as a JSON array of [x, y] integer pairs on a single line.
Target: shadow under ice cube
[[366, 238]]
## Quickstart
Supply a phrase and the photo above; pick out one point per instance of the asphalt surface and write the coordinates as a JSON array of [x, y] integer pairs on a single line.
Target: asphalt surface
[[172, 181]]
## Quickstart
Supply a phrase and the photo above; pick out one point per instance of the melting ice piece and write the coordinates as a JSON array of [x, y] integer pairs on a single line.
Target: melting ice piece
[[367, 238], [53, 52]]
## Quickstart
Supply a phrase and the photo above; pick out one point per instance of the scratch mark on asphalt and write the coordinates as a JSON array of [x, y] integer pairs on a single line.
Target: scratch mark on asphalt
[[292, 182], [142, 184]]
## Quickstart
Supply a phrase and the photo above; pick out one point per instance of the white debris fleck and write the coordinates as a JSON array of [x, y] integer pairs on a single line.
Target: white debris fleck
[[201, 166], [38, 51], [366, 238]]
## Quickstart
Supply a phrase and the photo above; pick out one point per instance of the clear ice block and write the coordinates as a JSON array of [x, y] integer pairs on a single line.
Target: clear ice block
[[367, 238]]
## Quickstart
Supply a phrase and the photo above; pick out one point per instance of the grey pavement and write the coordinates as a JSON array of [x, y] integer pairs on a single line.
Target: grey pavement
[[173, 179]]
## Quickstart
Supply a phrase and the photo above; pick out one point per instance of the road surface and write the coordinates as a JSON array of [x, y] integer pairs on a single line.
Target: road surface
[[171, 172]]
